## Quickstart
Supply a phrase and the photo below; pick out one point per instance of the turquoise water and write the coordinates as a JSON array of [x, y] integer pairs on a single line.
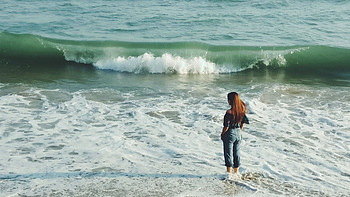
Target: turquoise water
[[252, 23], [126, 98]]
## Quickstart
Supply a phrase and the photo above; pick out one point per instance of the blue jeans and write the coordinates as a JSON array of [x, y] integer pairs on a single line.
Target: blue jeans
[[232, 139]]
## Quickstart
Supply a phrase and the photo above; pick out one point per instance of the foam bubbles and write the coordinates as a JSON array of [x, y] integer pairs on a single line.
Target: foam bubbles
[[141, 134], [167, 63]]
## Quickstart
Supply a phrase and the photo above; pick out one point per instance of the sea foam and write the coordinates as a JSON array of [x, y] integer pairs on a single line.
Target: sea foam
[[167, 63], [165, 131]]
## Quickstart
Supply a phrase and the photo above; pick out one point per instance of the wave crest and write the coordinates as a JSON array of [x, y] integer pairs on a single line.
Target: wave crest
[[168, 58], [167, 63]]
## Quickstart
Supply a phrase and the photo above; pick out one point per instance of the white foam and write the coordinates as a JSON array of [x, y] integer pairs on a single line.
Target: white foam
[[148, 63], [172, 135], [110, 58]]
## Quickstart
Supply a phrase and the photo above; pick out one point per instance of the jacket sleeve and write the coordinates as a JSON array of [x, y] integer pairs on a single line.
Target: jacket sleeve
[[226, 120], [245, 119]]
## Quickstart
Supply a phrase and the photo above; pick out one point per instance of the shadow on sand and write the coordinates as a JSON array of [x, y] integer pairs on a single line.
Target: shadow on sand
[[53, 175]]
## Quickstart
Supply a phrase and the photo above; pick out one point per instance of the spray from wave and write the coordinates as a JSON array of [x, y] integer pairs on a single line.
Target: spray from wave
[[168, 58], [148, 63]]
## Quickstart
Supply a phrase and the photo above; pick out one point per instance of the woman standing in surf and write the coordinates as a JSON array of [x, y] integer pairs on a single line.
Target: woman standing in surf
[[234, 120]]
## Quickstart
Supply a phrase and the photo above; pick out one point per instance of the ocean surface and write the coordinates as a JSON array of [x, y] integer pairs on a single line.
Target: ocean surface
[[127, 98]]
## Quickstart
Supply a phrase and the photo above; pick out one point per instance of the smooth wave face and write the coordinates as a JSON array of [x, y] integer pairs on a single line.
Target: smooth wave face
[[169, 58]]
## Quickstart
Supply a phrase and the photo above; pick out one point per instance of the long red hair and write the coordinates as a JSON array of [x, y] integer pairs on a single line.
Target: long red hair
[[238, 107]]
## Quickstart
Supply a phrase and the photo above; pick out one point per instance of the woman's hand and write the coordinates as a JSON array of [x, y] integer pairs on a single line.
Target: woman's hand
[[223, 131], [241, 127]]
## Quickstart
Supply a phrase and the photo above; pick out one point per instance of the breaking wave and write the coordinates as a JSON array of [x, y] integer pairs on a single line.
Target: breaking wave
[[168, 58]]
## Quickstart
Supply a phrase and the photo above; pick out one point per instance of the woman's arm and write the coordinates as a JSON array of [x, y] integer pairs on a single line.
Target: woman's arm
[[244, 120], [223, 131]]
